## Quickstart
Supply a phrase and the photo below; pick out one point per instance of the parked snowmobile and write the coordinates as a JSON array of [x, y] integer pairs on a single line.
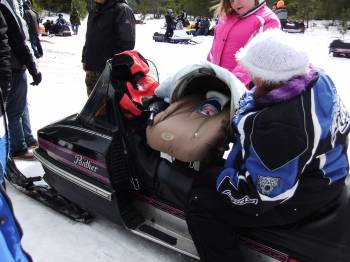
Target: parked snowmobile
[[180, 36], [339, 48], [101, 162], [294, 27], [61, 30]]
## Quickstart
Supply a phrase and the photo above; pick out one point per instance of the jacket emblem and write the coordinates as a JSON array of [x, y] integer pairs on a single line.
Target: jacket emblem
[[240, 201], [268, 184]]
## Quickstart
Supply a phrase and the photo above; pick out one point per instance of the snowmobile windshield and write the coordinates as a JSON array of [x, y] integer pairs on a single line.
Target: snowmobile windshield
[[100, 110]]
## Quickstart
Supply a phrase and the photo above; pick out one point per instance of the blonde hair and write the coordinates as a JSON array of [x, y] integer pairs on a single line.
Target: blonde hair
[[223, 8]]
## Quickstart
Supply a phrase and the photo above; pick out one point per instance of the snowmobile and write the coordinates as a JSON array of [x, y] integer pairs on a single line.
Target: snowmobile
[[339, 48], [61, 30], [294, 27], [180, 36], [97, 162]]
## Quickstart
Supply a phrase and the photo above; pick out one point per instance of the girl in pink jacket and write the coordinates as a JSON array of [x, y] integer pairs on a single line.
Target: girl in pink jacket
[[240, 20]]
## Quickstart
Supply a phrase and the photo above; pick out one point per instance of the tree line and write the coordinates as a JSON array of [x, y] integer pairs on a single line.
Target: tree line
[[297, 9]]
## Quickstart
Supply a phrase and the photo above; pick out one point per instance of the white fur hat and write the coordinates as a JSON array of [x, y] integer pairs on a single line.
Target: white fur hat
[[273, 57]]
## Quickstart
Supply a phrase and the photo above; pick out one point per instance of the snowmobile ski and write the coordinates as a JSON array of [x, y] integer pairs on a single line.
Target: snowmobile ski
[[45, 194]]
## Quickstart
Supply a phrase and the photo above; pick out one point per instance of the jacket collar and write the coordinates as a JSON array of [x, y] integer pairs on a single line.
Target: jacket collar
[[255, 9], [290, 89]]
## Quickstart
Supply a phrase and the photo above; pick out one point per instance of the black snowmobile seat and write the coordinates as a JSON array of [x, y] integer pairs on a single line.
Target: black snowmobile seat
[[322, 238], [339, 44]]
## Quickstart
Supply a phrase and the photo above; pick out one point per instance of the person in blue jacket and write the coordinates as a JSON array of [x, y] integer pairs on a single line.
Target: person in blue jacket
[[289, 157], [10, 231]]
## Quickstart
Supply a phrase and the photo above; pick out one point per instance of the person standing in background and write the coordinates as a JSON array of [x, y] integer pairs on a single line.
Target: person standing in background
[[5, 56], [110, 30], [21, 137], [281, 12], [170, 23], [240, 21], [32, 19], [75, 20], [10, 230]]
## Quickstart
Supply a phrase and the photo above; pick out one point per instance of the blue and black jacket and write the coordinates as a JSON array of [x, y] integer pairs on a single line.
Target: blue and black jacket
[[289, 153]]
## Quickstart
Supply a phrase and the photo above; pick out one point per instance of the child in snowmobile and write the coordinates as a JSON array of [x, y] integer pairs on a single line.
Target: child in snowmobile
[[213, 104], [202, 100], [289, 159]]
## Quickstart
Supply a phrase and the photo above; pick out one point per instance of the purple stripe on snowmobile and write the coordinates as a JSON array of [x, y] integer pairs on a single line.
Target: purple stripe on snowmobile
[[159, 205], [50, 144], [263, 249], [76, 161]]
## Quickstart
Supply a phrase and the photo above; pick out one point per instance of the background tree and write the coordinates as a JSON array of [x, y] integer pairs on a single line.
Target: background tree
[[297, 9], [343, 26]]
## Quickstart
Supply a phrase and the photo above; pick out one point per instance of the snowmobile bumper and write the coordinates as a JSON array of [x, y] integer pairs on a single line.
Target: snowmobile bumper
[[97, 199]]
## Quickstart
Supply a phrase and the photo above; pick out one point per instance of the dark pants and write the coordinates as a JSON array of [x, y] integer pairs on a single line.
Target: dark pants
[[91, 80], [213, 223], [36, 46], [202, 31], [169, 31], [75, 28], [18, 116], [283, 23]]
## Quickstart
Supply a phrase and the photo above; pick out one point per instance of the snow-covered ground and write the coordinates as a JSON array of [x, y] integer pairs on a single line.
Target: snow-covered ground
[[50, 237]]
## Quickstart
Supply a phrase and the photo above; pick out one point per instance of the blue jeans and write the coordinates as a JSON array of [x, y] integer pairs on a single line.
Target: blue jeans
[[36, 46], [75, 28], [18, 115]]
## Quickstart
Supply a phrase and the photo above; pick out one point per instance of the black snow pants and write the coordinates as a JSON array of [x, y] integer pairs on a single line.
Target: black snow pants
[[213, 223], [169, 31]]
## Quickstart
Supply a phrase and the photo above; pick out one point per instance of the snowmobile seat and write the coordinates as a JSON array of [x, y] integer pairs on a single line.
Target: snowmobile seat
[[339, 44], [173, 182], [339, 48], [321, 238]]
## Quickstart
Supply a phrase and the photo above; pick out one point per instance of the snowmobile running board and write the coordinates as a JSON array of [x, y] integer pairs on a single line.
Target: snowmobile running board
[[166, 237], [44, 194]]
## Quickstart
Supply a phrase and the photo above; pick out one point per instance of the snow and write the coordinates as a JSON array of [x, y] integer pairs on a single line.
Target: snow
[[50, 237]]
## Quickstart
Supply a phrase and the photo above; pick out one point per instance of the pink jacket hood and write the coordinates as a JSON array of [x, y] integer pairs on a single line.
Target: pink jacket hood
[[233, 32]]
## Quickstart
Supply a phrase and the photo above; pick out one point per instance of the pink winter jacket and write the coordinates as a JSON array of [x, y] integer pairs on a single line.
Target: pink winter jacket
[[233, 32]]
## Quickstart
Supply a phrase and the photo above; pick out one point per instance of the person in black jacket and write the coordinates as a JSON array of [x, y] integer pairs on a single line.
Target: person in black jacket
[[32, 19], [21, 137], [110, 30], [203, 27], [74, 19], [5, 64], [170, 23], [10, 230]]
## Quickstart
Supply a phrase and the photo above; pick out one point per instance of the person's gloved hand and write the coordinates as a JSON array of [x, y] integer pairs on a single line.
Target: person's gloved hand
[[36, 79]]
